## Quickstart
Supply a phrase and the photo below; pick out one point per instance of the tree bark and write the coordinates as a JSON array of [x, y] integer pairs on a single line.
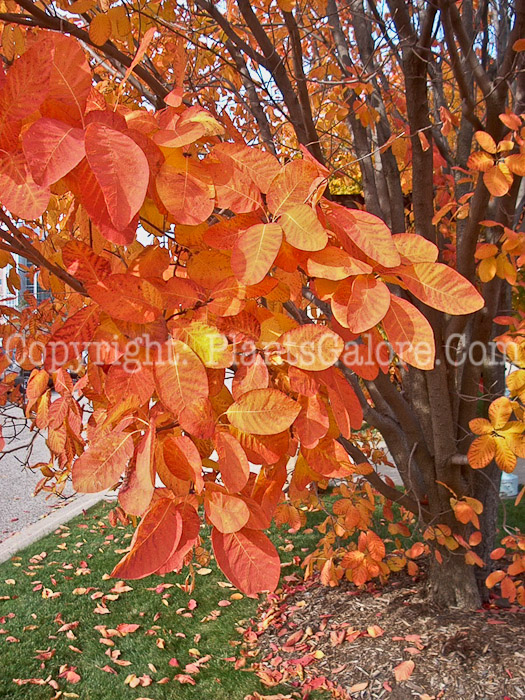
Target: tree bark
[[452, 583]]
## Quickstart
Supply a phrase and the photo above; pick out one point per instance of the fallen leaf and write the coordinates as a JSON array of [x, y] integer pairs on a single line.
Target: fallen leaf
[[404, 670]]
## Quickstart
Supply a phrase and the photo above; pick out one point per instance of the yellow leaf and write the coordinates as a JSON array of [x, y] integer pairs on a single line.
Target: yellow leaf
[[500, 411], [498, 180], [505, 457]]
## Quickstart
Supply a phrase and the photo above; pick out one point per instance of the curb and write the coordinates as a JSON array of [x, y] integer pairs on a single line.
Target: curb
[[34, 532]]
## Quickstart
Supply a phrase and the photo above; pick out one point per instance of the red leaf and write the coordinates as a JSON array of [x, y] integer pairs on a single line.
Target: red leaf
[[121, 170], [156, 537], [27, 83], [18, 191], [190, 536], [248, 559], [52, 149]]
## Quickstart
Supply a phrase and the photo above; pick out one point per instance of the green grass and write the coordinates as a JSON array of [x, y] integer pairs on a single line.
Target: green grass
[[77, 556]]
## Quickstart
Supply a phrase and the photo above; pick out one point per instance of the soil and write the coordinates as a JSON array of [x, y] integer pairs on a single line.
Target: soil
[[349, 642]]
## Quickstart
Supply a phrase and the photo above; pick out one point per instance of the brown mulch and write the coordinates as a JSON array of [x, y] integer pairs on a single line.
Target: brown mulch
[[349, 642]]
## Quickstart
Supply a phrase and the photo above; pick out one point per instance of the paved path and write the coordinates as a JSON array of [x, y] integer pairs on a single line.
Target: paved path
[[18, 506]]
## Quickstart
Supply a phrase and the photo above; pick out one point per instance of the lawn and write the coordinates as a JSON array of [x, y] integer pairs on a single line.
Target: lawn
[[65, 626], [62, 618]]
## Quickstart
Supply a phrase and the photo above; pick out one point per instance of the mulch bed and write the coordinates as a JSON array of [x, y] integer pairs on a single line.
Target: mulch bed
[[349, 642]]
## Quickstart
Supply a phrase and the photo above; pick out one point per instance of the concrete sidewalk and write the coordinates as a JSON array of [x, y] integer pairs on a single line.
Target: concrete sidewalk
[[44, 526]]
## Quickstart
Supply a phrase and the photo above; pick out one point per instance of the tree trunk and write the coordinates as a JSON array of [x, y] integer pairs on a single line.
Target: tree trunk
[[452, 584], [486, 490]]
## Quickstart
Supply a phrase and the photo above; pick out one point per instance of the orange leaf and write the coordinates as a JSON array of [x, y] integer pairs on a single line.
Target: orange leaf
[[404, 670], [291, 186], [415, 248], [312, 422], [263, 412], [442, 288], [156, 537], [100, 29], [347, 410], [410, 334], [100, 466], [250, 376], [328, 458], [498, 180], [123, 381], [368, 232], [233, 462], [198, 418], [480, 161], [143, 47], [255, 252], [494, 578], [189, 537], [302, 228], [369, 301], [18, 191], [84, 264], [248, 559], [311, 347], [135, 496], [485, 141], [183, 460], [180, 376], [259, 165], [497, 553], [128, 298], [68, 342], [482, 451], [500, 411], [234, 191], [186, 198], [417, 549], [516, 164], [226, 512], [336, 264], [481, 426], [505, 457]]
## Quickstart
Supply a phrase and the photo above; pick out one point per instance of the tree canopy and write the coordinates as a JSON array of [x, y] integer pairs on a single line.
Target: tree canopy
[[272, 232]]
